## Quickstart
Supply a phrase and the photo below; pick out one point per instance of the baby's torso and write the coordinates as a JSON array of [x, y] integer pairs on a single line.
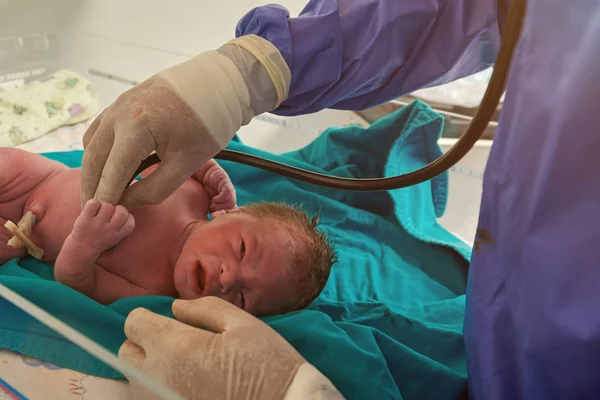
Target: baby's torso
[[146, 256]]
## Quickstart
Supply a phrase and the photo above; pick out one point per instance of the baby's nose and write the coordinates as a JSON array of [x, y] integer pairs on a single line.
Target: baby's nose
[[228, 279]]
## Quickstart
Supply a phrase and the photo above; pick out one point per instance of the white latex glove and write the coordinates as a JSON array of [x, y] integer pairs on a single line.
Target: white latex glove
[[243, 359], [187, 114]]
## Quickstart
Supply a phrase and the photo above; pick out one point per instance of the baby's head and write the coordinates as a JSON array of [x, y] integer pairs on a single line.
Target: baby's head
[[311, 251], [267, 258]]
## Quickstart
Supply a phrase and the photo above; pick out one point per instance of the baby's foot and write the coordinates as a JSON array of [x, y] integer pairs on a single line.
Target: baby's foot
[[101, 226]]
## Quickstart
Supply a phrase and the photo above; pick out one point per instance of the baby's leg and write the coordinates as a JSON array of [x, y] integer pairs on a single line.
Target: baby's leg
[[20, 173]]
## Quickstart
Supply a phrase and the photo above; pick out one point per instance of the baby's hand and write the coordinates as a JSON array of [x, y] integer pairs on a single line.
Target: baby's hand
[[101, 226], [220, 189]]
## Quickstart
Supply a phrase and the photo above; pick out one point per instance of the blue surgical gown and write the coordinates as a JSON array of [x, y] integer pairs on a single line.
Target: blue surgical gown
[[532, 326]]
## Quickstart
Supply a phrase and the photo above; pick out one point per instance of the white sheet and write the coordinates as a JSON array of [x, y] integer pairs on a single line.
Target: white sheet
[[35, 379]]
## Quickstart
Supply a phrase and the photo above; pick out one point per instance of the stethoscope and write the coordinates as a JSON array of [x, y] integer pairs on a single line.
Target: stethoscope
[[510, 37]]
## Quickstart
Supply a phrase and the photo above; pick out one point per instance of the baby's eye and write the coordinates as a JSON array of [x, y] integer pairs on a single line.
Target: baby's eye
[[242, 250], [242, 301]]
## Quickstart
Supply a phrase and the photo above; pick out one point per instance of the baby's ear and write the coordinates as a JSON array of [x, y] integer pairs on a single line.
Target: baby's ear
[[219, 213]]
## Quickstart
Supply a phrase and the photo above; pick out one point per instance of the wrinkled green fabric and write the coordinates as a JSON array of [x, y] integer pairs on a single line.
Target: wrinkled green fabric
[[388, 325]]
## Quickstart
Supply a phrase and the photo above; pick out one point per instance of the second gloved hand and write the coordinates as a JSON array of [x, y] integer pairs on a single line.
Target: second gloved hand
[[243, 359], [186, 113]]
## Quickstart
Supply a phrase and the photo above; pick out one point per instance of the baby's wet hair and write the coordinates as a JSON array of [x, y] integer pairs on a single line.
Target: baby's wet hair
[[313, 252]]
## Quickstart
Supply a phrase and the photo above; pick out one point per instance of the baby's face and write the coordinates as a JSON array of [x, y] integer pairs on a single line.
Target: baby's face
[[241, 259]]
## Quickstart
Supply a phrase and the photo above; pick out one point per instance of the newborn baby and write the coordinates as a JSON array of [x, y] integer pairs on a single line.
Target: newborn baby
[[265, 258]]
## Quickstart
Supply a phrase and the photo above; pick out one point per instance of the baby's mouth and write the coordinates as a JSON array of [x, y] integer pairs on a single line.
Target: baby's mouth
[[200, 277]]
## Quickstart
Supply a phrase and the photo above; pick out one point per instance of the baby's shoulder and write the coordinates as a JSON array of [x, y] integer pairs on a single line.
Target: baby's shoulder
[[191, 197]]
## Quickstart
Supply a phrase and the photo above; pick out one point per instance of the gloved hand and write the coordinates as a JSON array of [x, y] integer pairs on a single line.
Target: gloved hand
[[186, 113], [243, 359]]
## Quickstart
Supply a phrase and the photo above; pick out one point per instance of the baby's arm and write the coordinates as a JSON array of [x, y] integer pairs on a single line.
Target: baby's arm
[[218, 185], [100, 227], [215, 181]]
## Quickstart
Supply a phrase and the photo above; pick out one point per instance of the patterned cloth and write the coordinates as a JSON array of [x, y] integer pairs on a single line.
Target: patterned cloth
[[17, 372], [31, 111]]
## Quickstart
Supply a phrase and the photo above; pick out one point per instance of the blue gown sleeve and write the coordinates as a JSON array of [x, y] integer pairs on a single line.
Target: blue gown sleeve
[[354, 54]]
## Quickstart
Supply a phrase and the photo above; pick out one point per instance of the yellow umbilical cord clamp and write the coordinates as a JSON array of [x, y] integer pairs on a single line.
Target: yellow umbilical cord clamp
[[32, 248]]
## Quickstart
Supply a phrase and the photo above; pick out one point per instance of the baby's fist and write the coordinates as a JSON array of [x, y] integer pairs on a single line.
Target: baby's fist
[[220, 189], [102, 226]]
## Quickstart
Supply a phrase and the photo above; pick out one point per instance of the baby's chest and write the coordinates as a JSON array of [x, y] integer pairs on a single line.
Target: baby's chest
[[143, 260], [145, 257]]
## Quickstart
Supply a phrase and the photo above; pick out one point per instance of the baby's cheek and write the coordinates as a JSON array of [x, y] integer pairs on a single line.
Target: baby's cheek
[[186, 253], [278, 285]]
